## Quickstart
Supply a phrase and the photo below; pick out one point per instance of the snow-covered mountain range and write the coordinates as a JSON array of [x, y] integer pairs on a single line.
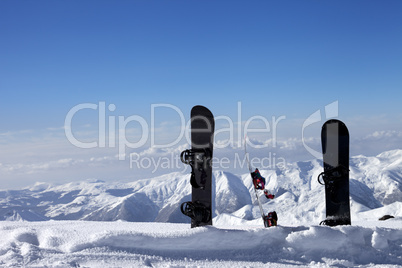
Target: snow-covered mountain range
[[375, 188], [90, 224]]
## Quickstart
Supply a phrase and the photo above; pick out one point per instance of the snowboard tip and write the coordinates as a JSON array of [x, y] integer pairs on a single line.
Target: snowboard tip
[[342, 128], [200, 109]]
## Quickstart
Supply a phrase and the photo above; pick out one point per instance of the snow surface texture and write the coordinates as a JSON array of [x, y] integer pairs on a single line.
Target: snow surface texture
[[34, 235], [128, 244]]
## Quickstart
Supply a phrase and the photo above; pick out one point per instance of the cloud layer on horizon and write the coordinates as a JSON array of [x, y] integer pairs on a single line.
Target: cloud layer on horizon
[[30, 156]]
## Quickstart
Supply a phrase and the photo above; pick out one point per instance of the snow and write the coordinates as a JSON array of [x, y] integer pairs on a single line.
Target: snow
[[133, 244], [139, 224]]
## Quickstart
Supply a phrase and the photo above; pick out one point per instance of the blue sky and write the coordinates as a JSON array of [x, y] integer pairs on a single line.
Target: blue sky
[[280, 56], [277, 58]]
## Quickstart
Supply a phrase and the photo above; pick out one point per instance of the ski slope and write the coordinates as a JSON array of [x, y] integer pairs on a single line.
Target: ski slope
[[132, 244]]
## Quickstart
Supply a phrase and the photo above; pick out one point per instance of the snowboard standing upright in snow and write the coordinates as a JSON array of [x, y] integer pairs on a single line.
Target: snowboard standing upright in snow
[[335, 149], [259, 185], [199, 157]]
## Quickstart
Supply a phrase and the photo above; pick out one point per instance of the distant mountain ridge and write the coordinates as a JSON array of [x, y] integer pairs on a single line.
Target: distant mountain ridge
[[375, 184]]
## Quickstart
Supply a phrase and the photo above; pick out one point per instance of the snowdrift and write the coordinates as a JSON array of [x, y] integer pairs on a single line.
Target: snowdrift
[[127, 244]]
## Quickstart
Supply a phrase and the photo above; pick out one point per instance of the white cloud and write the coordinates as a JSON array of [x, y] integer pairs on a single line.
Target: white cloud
[[27, 156], [377, 135]]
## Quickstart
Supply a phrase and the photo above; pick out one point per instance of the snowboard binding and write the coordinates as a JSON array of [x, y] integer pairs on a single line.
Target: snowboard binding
[[268, 195], [330, 178], [198, 160], [258, 180], [196, 211], [271, 219], [332, 175]]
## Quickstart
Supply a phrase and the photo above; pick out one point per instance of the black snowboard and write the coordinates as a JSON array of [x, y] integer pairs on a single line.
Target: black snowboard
[[335, 149], [199, 157]]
